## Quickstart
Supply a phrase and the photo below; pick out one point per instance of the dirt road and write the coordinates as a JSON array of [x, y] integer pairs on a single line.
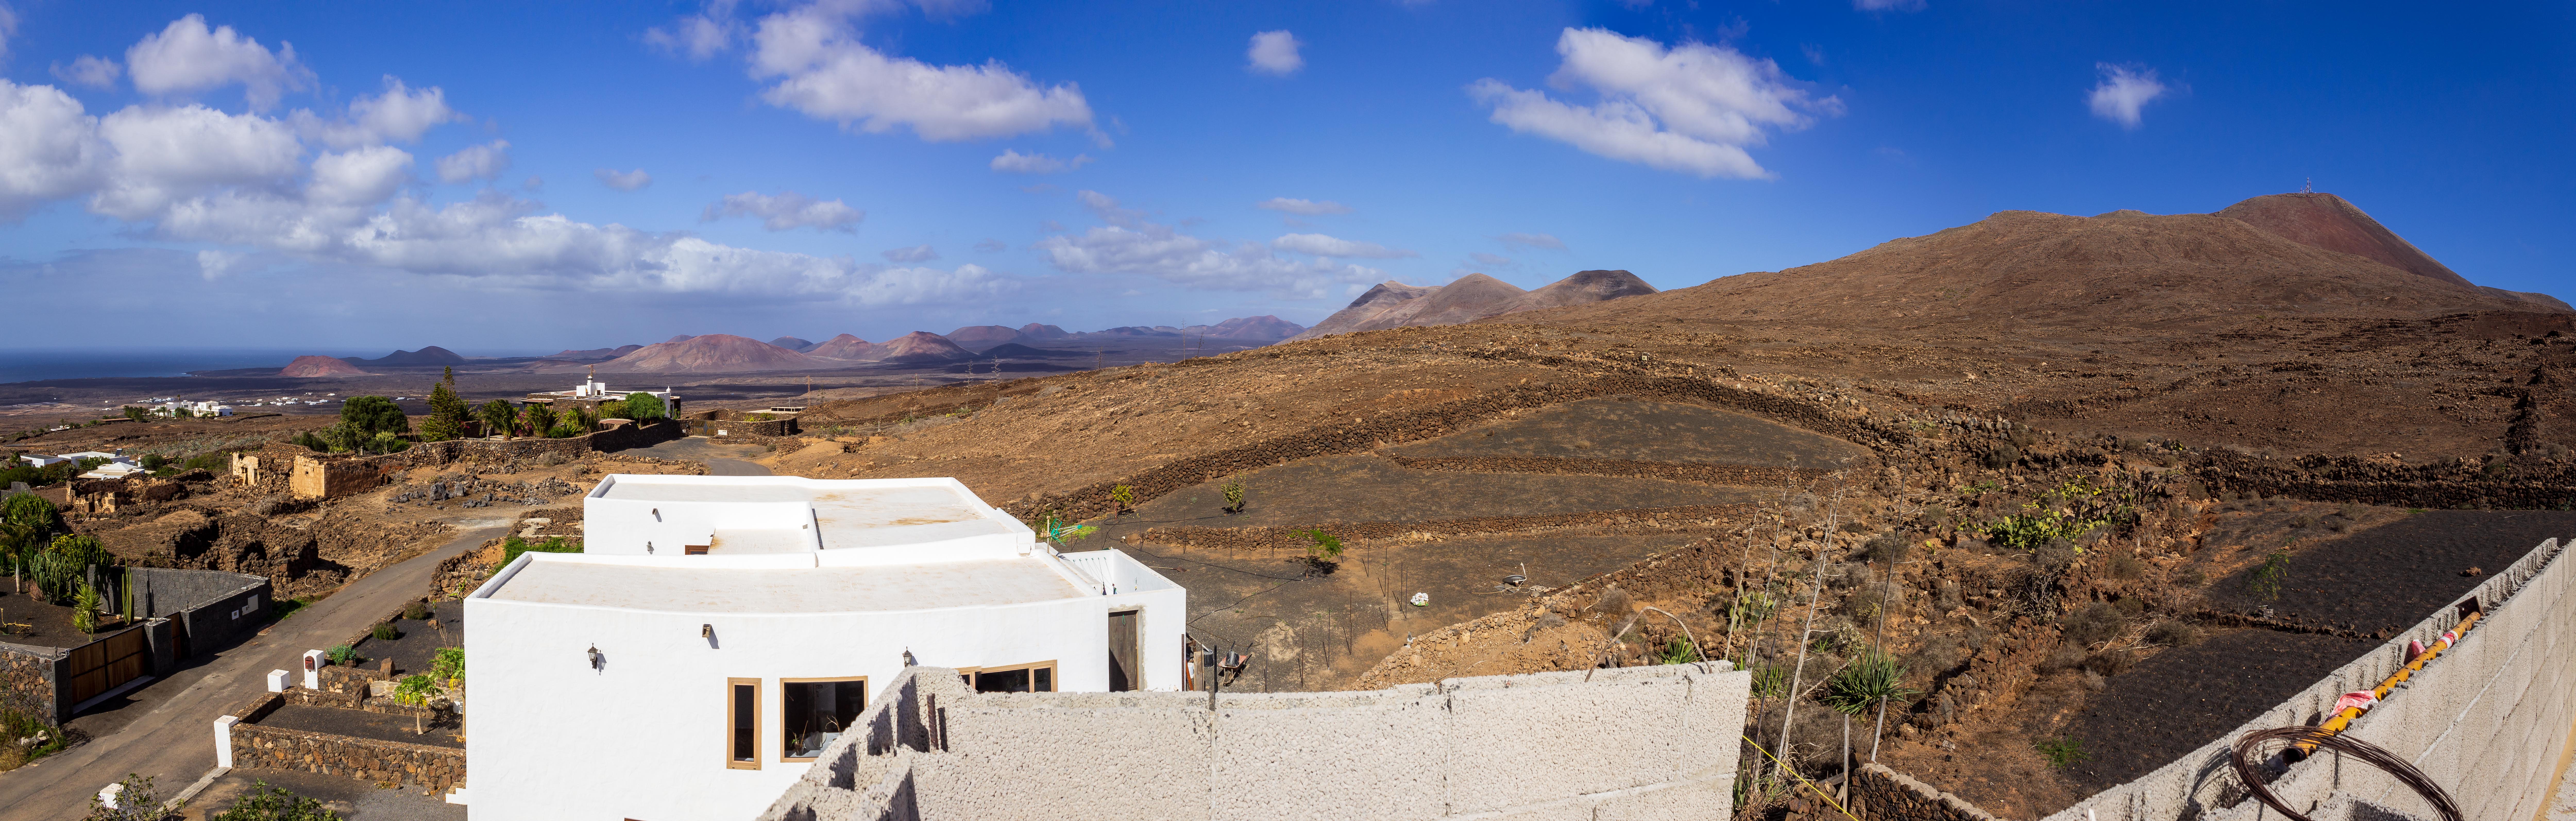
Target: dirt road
[[172, 740]]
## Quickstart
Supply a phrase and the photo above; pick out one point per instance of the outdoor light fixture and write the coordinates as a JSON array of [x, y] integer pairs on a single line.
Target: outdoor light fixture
[[706, 631], [907, 657], [594, 657]]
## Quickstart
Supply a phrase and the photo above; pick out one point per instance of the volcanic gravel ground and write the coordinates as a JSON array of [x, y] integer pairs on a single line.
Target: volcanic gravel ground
[[363, 724], [1634, 429], [416, 643], [1372, 489], [2396, 574]]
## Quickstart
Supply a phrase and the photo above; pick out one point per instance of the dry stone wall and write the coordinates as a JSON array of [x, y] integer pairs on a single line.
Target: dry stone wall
[[1641, 519], [419, 766], [30, 679]]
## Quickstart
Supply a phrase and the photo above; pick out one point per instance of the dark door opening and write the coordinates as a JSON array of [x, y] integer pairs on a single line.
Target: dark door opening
[[1124, 673]]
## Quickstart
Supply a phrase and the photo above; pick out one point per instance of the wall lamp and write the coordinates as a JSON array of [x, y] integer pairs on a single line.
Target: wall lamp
[[595, 659], [706, 631]]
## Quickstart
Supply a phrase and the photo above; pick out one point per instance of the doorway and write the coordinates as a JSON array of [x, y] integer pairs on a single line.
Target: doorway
[[1124, 672]]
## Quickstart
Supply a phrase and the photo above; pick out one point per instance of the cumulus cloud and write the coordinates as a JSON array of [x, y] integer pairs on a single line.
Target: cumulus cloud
[[1129, 245], [2123, 92], [917, 253], [479, 162], [398, 114], [1308, 208], [1522, 242], [697, 36], [623, 180], [1274, 53], [89, 71], [819, 68], [788, 211], [1018, 163], [186, 57], [192, 174], [1328, 246], [1692, 108]]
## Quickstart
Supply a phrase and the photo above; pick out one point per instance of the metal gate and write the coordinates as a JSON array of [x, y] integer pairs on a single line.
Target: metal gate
[[101, 665]]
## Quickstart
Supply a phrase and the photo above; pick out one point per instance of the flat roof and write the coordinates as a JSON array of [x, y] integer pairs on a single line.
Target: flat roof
[[681, 587], [850, 514]]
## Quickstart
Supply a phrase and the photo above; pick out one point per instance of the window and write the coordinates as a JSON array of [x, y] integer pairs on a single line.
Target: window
[[1038, 677], [742, 723], [815, 712]]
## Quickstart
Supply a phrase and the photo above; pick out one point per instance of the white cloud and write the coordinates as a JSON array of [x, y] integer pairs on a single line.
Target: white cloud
[[399, 114], [49, 148], [186, 58], [2124, 90], [823, 71], [534, 183], [214, 264], [1692, 108], [364, 176], [1106, 208], [164, 155], [1302, 207], [787, 211], [1274, 53], [623, 180], [1327, 246], [1129, 245], [1522, 242], [8, 28], [917, 253], [1888, 5], [699, 36], [478, 162], [89, 71], [1018, 163]]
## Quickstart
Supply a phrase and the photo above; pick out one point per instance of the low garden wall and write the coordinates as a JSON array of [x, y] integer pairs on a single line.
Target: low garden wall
[[30, 682], [620, 437], [436, 769], [1880, 793], [213, 608]]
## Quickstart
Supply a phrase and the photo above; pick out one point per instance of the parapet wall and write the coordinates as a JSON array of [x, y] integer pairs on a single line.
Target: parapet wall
[[2488, 719], [1641, 742]]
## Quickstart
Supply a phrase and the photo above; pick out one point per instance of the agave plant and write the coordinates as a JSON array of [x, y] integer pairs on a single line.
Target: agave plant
[[1871, 676]]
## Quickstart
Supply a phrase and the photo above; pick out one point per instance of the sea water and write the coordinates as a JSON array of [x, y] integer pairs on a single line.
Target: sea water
[[25, 365]]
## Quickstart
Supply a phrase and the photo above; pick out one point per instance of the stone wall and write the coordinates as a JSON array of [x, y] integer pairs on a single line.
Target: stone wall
[[1543, 745], [418, 766], [1882, 794], [29, 679], [1657, 519], [615, 438], [730, 423]]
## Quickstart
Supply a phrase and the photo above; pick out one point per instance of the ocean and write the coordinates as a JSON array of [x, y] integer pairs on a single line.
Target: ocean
[[26, 365]]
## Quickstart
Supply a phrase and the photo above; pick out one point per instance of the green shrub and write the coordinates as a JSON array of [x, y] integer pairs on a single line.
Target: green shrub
[[385, 632], [2063, 751], [139, 801], [1770, 680], [1234, 493], [374, 415], [1871, 676], [85, 609], [342, 654], [266, 803], [2265, 581], [512, 547], [2096, 623], [1324, 547], [416, 611], [644, 407], [449, 666], [213, 461], [1678, 651]]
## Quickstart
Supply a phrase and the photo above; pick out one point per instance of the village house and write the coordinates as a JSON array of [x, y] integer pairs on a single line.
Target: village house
[[590, 393], [718, 632]]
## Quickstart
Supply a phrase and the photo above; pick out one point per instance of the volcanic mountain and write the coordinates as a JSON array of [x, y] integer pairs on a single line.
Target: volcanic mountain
[[2122, 269], [432, 355], [793, 344], [1470, 298], [1042, 332], [1264, 328], [920, 346], [712, 353], [320, 366], [980, 337], [844, 346]]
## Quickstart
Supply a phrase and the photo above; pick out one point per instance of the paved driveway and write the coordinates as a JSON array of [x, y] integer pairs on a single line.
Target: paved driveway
[[166, 729]]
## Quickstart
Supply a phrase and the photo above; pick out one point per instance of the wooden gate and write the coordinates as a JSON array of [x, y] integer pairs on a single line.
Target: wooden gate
[[101, 665]]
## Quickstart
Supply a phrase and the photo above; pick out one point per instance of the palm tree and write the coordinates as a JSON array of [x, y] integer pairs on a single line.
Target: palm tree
[[498, 417]]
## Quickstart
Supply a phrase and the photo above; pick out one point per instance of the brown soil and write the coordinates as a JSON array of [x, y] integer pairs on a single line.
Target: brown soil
[[1631, 429]]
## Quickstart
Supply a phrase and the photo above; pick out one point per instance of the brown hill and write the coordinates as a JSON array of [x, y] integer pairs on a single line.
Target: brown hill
[[920, 346], [2327, 221], [1470, 298], [2121, 269], [793, 344], [712, 353], [1264, 328], [980, 337], [319, 366], [1042, 332], [844, 346]]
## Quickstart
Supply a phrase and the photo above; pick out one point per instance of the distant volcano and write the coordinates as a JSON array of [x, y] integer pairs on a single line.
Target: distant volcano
[[432, 355], [712, 353], [309, 366], [1470, 298]]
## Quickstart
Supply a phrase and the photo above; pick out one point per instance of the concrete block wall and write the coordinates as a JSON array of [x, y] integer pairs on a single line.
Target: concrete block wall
[[214, 608], [2487, 720], [1647, 742]]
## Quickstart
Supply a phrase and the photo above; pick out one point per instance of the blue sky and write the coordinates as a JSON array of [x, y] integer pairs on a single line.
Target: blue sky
[[881, 167]]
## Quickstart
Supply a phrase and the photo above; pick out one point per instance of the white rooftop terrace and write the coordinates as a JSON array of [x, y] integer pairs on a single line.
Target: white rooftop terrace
[[682, 587], [842, 521]]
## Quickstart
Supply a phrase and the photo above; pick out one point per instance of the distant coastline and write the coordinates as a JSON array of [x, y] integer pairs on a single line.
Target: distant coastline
[[30, 365]]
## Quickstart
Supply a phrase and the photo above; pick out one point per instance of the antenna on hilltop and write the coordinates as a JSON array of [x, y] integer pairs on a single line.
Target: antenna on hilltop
[[2309, 187]]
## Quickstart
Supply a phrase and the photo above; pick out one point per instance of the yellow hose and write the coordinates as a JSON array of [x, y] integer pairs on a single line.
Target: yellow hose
[[2343, 718]]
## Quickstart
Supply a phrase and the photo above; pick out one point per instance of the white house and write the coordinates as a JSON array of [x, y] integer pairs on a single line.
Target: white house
[[40, 460], [118, 464], [719, 631]]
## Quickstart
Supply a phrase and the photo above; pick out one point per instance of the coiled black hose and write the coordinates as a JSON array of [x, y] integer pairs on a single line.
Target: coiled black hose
[[2247, 759]]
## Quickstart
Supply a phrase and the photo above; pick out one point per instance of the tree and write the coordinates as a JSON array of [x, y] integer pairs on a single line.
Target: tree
[[540, 420], [138, 413], [613, 409], [498, 417], [447, 412], [415, 690], [643, 407], [374, 414]]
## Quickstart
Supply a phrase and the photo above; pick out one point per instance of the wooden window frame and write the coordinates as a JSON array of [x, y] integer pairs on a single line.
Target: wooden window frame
[[756, 722], [1055, 675], [782, 710]]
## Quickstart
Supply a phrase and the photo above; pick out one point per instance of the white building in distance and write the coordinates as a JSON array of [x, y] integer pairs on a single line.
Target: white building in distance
[[718, 632]]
